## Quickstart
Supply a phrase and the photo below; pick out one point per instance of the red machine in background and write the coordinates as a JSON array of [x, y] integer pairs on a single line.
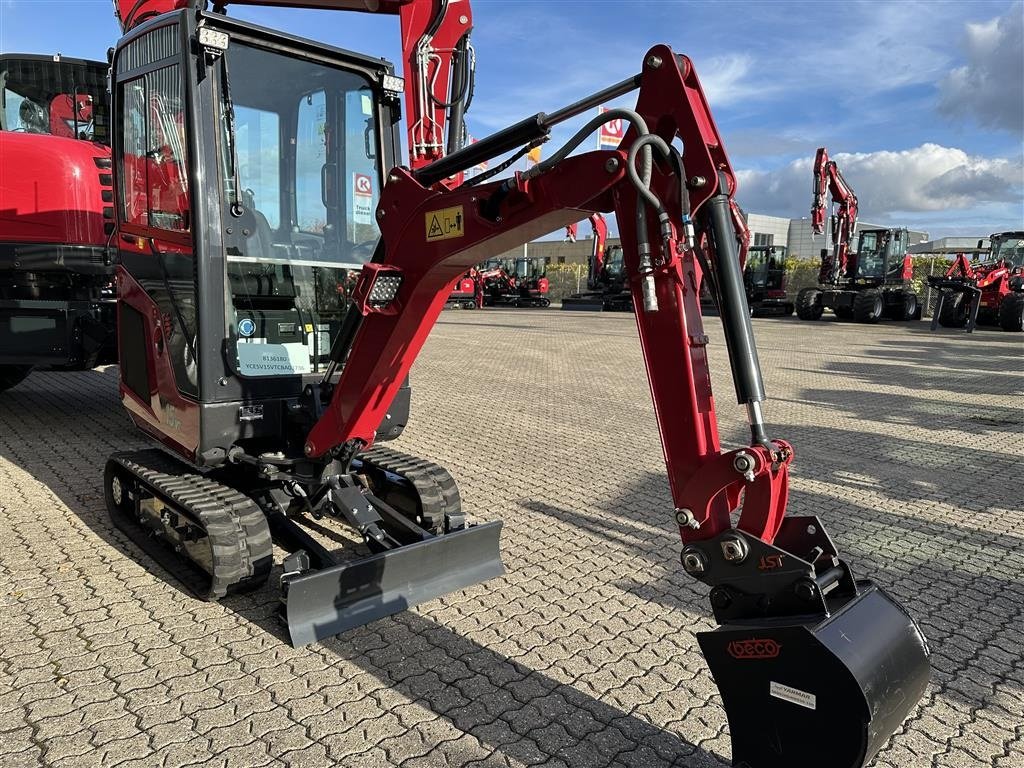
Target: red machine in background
[[468, 292], [990, 291], [57, 304], [865, 287], [606, 279], [515, 282], [271, 422]]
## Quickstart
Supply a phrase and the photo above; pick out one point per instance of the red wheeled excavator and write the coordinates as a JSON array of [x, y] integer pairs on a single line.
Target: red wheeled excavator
[[270, 395], [866, 286], [989, 291], [606, 287], [57, 303]]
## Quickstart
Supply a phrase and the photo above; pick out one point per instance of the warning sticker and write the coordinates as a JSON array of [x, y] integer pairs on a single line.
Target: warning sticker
[[793, 695], [445, 224]]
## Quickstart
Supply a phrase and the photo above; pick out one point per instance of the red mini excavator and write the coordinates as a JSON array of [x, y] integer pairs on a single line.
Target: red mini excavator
[[268, 327], [989, 291], [57, 303], [515, 282], [865, 287]]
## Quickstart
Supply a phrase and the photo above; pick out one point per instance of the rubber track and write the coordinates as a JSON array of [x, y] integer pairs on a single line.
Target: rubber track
[[237, 528], [436, 488]]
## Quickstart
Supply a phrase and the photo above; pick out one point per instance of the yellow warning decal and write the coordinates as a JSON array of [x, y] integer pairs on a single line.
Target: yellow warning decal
[[445, 224]]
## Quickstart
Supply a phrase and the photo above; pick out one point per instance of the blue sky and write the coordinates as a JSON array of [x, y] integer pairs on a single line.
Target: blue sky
[[921, 103]]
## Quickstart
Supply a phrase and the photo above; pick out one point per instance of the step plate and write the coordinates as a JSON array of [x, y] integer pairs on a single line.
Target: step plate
[[333, 600]]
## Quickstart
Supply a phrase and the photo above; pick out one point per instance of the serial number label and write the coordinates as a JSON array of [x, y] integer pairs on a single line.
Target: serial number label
[[793, 695]]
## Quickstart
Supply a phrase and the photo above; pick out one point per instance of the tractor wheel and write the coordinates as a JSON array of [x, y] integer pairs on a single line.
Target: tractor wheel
[[1011, 312], [954, 311], [808, 304], [868, 306], [843, 313], [909, 306], [12, 375]]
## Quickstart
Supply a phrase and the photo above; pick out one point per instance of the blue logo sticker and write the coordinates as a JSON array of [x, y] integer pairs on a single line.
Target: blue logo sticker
[[246, 327]]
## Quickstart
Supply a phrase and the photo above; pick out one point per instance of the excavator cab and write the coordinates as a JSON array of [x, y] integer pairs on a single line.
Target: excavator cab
[[880, 254], [248, 167]]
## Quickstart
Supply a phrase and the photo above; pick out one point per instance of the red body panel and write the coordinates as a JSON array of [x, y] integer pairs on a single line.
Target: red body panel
[[51, 190], [165, 414]]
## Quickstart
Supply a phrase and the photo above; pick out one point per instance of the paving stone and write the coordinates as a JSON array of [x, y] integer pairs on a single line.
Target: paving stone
[[582, 655]]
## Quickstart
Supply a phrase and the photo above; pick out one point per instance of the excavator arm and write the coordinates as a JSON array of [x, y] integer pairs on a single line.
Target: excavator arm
[[777, 583], [828, 180], [437, 56], [599, 229]]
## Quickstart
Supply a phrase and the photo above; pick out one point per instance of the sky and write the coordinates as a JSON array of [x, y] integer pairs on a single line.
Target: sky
[[921, 104]]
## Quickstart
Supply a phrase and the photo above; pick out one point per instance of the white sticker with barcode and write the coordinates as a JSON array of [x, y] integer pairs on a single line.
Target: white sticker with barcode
[[793, 695]]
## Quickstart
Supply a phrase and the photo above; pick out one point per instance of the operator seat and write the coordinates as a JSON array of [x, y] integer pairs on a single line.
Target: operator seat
[[33, 117]]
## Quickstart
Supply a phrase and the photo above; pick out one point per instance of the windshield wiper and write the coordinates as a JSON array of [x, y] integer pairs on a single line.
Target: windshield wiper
[[228, 106]]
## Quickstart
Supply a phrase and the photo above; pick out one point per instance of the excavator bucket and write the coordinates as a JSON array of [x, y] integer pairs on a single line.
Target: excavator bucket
[[332, 600], [828, 692]]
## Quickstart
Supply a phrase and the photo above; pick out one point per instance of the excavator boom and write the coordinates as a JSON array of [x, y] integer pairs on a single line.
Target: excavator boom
[[828, 180]]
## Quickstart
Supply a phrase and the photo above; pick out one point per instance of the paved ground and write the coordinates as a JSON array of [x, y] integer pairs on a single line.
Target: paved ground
[[583, 654]]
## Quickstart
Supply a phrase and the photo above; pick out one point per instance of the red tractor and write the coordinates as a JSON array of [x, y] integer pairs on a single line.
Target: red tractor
[[990, 292], [57, 303], [866, 286]]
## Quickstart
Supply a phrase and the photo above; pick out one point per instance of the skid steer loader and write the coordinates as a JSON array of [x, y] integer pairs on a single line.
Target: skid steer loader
[[269, 321]]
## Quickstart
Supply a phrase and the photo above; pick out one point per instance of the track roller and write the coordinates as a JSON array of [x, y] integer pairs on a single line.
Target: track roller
[[214, 539]]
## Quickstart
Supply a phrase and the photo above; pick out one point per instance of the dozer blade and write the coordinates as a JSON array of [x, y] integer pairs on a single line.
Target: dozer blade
[[584, 303], [825, 693], [332, 600]]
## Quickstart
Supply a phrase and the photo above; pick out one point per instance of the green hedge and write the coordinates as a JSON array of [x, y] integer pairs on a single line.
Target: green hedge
[[566, 279]]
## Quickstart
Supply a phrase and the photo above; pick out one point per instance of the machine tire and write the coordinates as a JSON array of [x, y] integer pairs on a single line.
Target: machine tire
[[843, 313], [12, 375], [788, 309], [910, 304], [1011, 312], [808, 304], [954, 311], [868, 306]]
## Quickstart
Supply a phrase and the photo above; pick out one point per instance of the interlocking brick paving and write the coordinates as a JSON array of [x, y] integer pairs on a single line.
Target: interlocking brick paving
[[909, 446]]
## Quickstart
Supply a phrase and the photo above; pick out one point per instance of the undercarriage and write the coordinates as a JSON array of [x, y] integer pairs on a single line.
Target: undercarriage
[[381, 537]]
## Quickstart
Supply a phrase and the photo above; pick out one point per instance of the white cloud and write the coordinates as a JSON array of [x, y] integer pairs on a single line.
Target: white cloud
[[925, 178], [726, 79], [989, 89]]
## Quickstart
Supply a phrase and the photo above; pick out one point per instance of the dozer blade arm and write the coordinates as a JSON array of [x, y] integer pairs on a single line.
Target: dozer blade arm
[[776, 581]]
